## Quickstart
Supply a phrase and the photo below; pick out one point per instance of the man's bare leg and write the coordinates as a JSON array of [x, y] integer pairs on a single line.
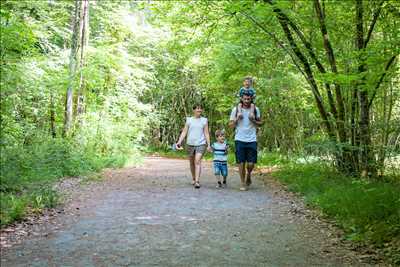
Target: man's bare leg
[[242, 173], [250, 167]]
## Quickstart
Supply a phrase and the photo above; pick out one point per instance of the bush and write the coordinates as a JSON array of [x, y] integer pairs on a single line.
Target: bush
[[367, 210], [12, 208], [27, 172]]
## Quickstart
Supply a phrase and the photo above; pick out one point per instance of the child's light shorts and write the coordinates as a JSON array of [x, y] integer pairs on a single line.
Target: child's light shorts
[[221, 168]]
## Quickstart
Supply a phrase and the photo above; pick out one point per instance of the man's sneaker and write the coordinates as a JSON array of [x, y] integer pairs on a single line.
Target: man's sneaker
[[219, 185]]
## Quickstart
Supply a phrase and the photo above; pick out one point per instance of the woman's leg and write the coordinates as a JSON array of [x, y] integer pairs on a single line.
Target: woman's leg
[[192, 167], [197, 162]]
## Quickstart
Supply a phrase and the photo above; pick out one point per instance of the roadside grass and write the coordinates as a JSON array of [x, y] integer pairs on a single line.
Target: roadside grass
[[29, 173], [165, 152], [367, 210]]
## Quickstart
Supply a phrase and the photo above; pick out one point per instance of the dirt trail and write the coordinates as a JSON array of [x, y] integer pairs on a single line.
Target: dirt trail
[[152, 216]]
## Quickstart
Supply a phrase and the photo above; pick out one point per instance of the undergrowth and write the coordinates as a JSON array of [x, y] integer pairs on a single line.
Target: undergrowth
[[29, 173], [367, 210]]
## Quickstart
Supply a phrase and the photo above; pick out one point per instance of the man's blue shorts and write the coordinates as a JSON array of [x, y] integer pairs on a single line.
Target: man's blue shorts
[[246, 152], [221, 168]]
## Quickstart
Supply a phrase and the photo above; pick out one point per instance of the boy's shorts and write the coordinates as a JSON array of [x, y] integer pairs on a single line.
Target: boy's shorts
[[246, 152], [193, 150], [221, 168]]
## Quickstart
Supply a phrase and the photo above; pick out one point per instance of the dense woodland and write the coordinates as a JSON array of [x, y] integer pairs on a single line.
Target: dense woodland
[[90, 84]]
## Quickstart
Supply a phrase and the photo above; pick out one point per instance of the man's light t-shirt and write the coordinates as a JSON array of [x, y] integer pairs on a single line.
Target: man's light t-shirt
[[195, 136], [245, 130]]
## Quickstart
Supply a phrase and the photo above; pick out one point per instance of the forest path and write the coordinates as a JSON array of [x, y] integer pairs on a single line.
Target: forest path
[[151, 216]]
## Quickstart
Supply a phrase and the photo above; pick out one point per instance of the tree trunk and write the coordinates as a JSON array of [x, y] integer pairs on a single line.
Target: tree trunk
[[83, 43], [52, 116], [344, 161], [367, 163], [68, 117]]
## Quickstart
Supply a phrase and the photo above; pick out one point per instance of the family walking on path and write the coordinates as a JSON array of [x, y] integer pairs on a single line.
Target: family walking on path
[[245, 117]]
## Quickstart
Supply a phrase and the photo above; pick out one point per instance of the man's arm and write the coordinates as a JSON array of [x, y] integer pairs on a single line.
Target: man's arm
[[233, 119], [257, 122], [232, 123]]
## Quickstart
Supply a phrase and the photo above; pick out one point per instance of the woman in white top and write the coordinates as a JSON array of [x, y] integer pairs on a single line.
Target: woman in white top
[[198, 139]]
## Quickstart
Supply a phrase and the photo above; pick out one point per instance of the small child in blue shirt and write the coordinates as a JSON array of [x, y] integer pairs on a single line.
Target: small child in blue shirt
[[220, 152], [250, 91]]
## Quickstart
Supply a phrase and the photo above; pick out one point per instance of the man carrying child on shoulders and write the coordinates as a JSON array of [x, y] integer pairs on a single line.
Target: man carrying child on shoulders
[[245, 138]]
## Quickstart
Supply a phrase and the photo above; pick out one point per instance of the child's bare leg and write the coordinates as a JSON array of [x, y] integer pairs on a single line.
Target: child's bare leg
[[218, 177], [239, 111], [252, 111]]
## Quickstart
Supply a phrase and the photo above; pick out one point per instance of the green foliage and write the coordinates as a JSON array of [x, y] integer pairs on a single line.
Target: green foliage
[[140, 81], [35, 48], [44, 198], [219, 43], [12, 208], [367, 210]]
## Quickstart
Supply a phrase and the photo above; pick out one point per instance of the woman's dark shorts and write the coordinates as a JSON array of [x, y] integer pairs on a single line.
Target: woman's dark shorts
[[246, 152]]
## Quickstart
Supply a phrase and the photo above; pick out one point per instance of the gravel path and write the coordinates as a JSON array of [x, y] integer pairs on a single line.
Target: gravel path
[[152, 216]]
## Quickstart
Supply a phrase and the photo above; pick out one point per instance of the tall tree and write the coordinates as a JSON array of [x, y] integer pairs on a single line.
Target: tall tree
[[345, 64], [84, 40], [76, 21]]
